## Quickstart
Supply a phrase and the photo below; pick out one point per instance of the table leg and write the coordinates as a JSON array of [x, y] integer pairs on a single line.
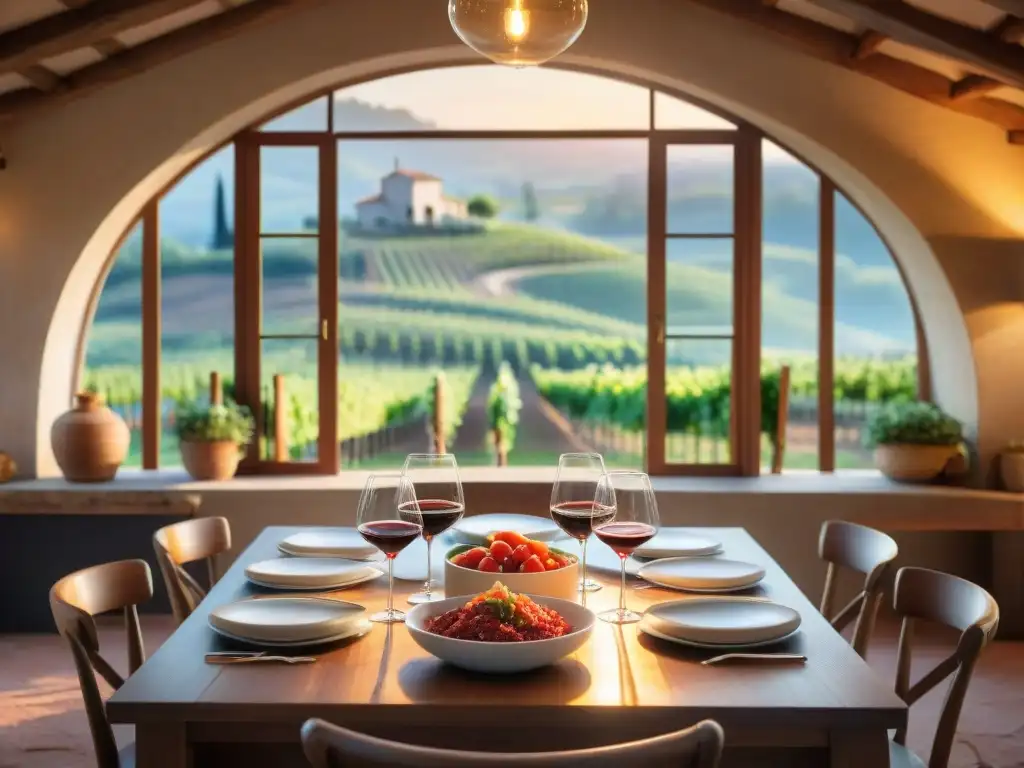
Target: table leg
[[856, 748], [162, 745]]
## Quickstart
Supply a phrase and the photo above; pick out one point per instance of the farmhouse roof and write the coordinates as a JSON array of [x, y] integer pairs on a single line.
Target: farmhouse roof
[[371, 199], [414, 175]]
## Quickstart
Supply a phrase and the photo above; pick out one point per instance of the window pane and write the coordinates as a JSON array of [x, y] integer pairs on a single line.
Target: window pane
[[547, 273], [487, 97], [295, 362], [699, 289], [197, 291], [790, 273], [311, 116], [876, 350], [290, 298], [700, 189], [113, 356], [671, 113], [289, 189], [698, 393]]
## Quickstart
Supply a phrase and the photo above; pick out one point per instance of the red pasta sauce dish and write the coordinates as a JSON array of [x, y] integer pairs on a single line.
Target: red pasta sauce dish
[[499, 615]]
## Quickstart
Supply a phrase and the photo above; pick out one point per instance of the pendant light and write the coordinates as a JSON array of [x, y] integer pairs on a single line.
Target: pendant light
[[518, 33]]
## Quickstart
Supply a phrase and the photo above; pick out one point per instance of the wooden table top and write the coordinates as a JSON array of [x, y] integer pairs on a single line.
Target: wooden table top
[[618, 668]]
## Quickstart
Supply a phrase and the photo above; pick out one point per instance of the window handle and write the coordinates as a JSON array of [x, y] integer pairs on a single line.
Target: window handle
[[661, 332], [323, 329]]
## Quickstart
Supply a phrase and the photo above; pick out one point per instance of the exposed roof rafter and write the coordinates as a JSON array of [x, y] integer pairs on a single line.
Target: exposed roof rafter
[[1015, 7], [868, 44], [972, 86]]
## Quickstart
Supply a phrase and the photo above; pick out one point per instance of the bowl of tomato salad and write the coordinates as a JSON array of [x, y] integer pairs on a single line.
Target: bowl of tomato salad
[[521, 564], [500, 631]]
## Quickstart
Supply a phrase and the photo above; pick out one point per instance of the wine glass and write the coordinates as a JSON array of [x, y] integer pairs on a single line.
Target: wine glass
[[389, 519], [435, 476], [572, 502], [625, 516]]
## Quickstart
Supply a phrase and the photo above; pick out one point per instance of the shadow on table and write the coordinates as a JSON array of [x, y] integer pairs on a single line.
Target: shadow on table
[[427, 680], [666, 648]]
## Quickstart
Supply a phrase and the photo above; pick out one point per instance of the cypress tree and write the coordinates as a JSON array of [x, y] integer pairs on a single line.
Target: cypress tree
[[223, 238]]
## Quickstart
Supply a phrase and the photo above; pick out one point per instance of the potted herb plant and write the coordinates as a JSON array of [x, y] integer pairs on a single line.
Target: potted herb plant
[[1011, 466], [212, 438], [913, 441]]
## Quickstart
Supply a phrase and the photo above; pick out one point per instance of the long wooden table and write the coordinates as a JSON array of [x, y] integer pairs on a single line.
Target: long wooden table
[[834, 711]]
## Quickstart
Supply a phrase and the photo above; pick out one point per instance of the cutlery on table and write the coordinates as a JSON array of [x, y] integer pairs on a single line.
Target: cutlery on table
[[774, 657], [244, 658]]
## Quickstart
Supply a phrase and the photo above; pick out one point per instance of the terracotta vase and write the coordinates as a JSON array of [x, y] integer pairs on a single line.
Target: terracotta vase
[[90, 442], [210, 460], [913, 463], [8, 469], [1011, 470]]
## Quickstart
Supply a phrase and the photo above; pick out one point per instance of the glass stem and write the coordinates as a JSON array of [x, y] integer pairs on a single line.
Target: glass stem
[[391, 585], [585, 563], [426, 586], [622, 587]]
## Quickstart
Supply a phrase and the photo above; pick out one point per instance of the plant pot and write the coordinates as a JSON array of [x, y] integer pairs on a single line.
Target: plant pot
[[8, 469], [1011, 470], [913, 463], [90, 442], [210, 460]]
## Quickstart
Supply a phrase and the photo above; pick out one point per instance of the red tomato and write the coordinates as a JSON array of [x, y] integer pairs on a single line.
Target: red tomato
[[488, 564], [539, 548], [521, 554], [460, 560], [562, 560], [512, 538], [508, 565], [533, 565], [473, 556], [551, 565], [500, 550]]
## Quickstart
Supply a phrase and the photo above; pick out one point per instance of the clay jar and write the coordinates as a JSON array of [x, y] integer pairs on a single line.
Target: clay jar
[[90, 442]]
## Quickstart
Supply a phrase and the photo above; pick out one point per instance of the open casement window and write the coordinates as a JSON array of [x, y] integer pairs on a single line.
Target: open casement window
[[704, 303], [286, 299]]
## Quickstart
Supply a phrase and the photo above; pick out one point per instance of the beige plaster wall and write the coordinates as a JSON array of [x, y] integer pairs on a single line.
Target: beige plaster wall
[[945, 190]]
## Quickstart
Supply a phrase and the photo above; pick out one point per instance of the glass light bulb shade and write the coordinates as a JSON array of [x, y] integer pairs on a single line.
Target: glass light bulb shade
[[518, 33]]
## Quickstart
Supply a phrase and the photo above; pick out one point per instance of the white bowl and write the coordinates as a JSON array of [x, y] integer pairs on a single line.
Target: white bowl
[[501, 658], [562, 583]]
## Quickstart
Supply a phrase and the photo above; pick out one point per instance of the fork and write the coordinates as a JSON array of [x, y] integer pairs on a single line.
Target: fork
[[240, 659], [790, 657]]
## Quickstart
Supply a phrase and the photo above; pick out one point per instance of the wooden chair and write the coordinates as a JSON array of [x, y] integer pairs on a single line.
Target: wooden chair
[[200, 539], [943, 599], [329, 746], [74, 601], [866, 551]]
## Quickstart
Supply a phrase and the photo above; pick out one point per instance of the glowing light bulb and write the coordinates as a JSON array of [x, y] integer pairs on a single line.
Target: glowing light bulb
[[517, 22]]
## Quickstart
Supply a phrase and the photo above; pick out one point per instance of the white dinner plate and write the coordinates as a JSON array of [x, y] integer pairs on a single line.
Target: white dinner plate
[[648, 630], [723, 620], [285, 619], [309, 573], [672, 542], [354, 629], [328, 542], [702, 574], [474, 530]]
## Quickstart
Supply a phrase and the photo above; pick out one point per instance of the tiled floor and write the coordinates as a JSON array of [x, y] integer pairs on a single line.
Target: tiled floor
[[42, 724]]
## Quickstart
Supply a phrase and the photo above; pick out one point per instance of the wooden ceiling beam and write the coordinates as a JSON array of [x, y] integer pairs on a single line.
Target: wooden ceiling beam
[[1016, 137], [834, 46], [909, 24], [148, 55], [868, 44], [972, 86], [42, 78], [1009, 30], [1013, 7], [79, 27]]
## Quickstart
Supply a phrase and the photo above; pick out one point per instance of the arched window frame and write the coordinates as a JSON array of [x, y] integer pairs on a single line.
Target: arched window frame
[[745, 138]]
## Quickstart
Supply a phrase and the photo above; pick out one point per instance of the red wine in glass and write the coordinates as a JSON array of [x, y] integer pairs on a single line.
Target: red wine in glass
[[623, 537], [438, 514], [578, 518], [390, 536]]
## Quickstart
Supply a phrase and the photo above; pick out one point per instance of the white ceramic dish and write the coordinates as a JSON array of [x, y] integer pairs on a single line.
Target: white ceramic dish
[[309, 572], [723, 620], [648, 630], [328, 542], [501, 658], [562, 583], [324, 588], [474, 530], [702, 574], [676, 543], [285, 619], [354, 629]]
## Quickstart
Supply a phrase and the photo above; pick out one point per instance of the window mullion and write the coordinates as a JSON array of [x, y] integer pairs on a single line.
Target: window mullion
[[826, 326]]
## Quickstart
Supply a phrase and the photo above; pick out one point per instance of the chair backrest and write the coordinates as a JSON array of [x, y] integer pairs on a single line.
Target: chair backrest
[[74, 601], [330, 746], [866, 551], [200, 539], [936, 597]]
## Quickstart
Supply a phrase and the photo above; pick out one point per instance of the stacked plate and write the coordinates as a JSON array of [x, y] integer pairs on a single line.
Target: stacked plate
[[474, 530], [286, 622], [710, 575], [673, 542], [329, 542], [723, 623], [308, 573]]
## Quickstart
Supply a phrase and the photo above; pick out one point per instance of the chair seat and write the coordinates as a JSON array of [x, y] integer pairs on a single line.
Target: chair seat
[[901, 757]]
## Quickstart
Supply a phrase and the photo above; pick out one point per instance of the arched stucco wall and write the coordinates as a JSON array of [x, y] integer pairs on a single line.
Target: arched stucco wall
[[944, 189]]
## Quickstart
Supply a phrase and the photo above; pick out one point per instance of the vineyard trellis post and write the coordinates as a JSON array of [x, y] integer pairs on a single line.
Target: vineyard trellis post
[[216, 389], [280, 420], [439, 414], [782, 422]]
